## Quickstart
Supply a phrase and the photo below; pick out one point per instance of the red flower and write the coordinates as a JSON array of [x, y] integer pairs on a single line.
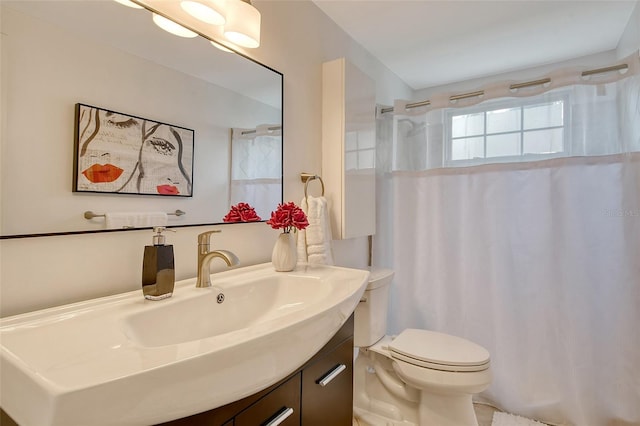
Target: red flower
[[288, 216], [241, 212]]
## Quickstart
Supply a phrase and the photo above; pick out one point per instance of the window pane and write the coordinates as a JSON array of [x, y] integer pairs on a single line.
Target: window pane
[[467, 148], [351, 141], [543, 115], [366, 139], [548, 141], [467, 125], [503, 120], [503, 145], [351, 160], [367, 159]]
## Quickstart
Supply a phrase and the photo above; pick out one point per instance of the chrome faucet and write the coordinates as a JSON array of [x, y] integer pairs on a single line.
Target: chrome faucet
[[205, 256]]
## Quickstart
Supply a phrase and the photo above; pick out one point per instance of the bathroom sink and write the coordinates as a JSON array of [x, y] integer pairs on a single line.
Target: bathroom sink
[[129, 361], [243, 305]]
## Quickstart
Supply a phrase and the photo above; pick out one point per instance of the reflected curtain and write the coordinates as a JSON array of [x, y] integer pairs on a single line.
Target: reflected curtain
[[256, 168], [538, 261]]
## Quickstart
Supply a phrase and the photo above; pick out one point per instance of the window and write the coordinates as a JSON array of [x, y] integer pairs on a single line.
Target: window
[[512, 131]]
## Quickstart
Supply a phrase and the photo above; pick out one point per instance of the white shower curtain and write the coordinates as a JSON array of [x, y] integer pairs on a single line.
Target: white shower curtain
[[539, 261]]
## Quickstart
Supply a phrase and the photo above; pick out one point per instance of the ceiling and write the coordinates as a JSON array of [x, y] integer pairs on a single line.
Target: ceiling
[[429, 43]]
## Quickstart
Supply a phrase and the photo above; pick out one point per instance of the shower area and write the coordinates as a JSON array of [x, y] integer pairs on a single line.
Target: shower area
[[511, 216]]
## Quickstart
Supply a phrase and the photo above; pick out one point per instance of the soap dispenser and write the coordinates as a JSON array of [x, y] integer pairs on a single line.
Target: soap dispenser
[[158, 272]]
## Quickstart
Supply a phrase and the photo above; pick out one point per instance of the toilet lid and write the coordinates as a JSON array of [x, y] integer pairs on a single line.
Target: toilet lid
[[438, 351]]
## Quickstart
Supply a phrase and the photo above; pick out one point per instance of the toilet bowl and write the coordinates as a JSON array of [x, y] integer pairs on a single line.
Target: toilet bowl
[[418, 377]]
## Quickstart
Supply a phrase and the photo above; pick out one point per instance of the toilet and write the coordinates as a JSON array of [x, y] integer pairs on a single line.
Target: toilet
[[418, 377]]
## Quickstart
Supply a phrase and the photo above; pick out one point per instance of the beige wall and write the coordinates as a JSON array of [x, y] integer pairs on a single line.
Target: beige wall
[[297, 37]]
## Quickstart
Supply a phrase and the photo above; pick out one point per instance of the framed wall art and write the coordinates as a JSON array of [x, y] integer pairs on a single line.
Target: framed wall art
[[125, 154]]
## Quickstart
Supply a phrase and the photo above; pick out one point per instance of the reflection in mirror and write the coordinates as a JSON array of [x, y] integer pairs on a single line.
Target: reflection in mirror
[[56, 54], [255, 169]]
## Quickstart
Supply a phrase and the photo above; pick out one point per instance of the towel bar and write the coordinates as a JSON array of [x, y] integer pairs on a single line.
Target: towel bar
[[90, 215], [306, 177]]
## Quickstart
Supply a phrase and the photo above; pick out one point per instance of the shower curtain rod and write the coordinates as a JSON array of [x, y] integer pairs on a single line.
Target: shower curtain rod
[[511, 87]]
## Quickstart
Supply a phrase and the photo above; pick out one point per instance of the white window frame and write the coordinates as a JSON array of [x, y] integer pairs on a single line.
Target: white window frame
[[508, 104]]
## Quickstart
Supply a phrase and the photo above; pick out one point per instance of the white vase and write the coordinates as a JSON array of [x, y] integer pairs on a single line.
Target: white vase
[[284, 256]]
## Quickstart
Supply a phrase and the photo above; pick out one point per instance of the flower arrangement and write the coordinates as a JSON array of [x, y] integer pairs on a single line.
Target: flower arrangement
[[288, 216], [242, 212]]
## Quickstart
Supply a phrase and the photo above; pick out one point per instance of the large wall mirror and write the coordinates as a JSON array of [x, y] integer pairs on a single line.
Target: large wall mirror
[[56, 54]]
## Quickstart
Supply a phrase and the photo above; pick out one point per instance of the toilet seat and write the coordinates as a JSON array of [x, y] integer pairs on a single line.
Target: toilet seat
[[438, 351]]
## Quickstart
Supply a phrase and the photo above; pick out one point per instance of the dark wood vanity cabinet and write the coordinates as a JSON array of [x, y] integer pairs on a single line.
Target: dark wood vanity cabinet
[[327, 388], [320, 393]]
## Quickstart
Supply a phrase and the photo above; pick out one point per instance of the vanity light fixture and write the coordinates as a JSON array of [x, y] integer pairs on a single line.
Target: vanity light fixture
[[243, 24], [172, 27], [129, 4], [209, 11]]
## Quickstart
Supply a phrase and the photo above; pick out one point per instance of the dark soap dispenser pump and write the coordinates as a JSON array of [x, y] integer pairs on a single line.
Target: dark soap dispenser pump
[[158, 271]]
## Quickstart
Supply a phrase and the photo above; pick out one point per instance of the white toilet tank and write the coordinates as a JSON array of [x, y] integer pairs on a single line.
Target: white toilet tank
[[371, 312]]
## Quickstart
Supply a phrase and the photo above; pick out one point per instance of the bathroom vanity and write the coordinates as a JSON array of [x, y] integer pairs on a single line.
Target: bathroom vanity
[[319, 393], [285, 339]]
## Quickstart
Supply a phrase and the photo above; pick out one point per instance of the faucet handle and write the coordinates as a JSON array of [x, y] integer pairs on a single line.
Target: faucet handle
[[205, 236]]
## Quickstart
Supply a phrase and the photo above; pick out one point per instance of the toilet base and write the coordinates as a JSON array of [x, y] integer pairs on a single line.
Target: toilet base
[[434, 410], [366, 418], [446, 410]]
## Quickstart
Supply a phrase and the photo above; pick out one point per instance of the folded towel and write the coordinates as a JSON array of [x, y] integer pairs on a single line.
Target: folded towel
[[302, 235], [120, 220], [314, 244]]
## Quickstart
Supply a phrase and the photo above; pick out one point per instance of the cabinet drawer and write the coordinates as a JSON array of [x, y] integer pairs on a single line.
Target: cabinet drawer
[[279, 407], [327, 388]]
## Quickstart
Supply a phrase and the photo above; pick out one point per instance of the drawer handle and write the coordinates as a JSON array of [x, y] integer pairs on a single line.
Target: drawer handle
[[280, 417], [332, 375]]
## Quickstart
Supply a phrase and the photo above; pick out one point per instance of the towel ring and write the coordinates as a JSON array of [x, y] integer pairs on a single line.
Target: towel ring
[[306, 177]]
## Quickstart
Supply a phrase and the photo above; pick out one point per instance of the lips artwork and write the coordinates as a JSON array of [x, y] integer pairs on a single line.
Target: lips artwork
[[102, 173], [120, 153], [105, 173], [167, 189]]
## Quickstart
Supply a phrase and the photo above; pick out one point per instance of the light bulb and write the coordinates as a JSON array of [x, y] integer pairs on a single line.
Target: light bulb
[[243, 24], [172, 27], [208, 13]]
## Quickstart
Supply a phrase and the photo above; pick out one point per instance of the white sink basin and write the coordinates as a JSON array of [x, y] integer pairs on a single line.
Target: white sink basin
[[128, 361], [196, 314]]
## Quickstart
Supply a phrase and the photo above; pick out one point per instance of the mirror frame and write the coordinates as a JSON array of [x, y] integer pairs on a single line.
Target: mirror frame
[[234, 51]]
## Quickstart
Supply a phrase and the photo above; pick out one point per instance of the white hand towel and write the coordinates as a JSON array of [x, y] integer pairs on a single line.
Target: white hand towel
[[120, 220], [302, 235], [318, 233]]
